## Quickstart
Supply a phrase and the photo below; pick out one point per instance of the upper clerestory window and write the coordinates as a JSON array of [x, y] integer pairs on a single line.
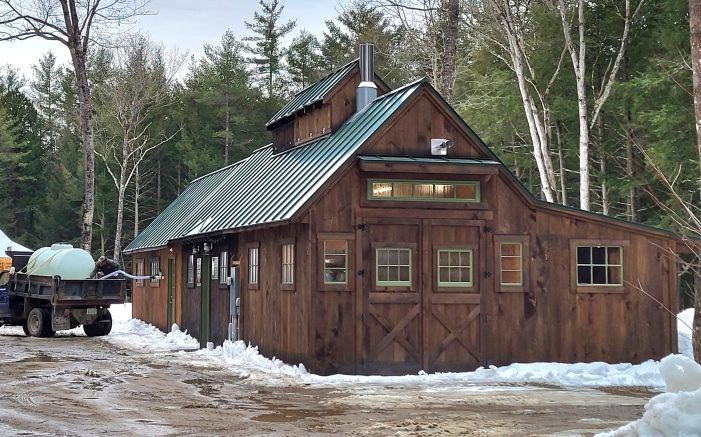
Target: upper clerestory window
[[417, 190]]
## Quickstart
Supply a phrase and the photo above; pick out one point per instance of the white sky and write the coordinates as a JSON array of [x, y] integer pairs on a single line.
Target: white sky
[[186, 25]]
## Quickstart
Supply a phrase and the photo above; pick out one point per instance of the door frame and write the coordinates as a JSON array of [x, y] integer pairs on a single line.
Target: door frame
[[171, 292], [205, 299]]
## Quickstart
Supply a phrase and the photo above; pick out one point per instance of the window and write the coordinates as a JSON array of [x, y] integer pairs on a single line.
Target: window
[[253, 265], [155, 270], [511, 264], [198, 272], [223, 264], [215, 267], [335, 262], [454, 268], [288, 263], [434, 191], [393, 267], [599, 265], [140, 272], [191, 270]]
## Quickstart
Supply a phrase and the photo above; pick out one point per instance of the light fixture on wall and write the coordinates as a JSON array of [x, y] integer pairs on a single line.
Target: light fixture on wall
[[206, 248], [195, 249]]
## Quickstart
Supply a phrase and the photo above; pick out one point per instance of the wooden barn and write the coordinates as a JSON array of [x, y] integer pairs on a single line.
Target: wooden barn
[[378, 234]]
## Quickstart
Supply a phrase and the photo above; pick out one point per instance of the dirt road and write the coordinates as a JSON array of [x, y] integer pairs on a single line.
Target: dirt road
[[88, 386]]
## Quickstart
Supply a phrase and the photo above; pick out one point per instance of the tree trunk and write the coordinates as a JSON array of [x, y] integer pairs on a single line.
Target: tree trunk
[[450, 47], [86, 127], [137, 193], [226, 134], [695, 25], [563, 170], [121, 190], [630, 171]]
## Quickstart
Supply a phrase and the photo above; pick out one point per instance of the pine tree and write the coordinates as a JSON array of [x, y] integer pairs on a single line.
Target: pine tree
[[304, 60], [267, 49]]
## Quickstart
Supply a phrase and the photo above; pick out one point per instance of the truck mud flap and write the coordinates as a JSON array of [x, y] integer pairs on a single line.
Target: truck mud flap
[[59, 321]]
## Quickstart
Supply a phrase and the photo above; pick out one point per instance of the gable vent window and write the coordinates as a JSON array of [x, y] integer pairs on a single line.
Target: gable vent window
[[432, 191]]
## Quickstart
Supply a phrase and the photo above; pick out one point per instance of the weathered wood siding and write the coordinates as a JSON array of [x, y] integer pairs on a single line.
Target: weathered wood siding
[[150, 300], [273, 317]]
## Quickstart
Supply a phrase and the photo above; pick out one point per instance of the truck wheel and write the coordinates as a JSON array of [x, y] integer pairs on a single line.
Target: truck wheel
[[101, 327], [39, 323]]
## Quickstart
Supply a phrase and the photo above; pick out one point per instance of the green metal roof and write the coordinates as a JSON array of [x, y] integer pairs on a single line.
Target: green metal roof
[[313, 93], [265, 187]]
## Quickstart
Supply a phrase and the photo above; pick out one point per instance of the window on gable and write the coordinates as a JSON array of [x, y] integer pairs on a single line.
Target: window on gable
[[155, 270], [288, 264], [511, 263], [191, 270], [599, 265], [223, 267], [335, 262], [139, 271], [215, 267], [393, 267], [432, 191], [253, 265]]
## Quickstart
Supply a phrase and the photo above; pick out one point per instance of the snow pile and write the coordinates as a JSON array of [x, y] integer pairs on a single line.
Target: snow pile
[[675, 413], [135, 333], [684, 323], [247, 357]]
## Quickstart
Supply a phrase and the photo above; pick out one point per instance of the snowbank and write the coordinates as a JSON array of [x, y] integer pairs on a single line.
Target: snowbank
[[136, 334], [675, 413], [684, 322]]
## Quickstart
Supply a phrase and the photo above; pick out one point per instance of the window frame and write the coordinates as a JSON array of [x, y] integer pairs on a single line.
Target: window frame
[[284, 242], [477, 185], [157, 260], [596, 288], [349, 238], [139, 262], [191, 270], [249, 248], [214, 260], [223, 273], [198, 271], [453, 286], [523, 240], [394, 285]]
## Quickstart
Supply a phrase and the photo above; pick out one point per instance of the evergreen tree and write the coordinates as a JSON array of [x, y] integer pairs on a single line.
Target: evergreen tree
[[304, 60], [267, 49], [46, 94]]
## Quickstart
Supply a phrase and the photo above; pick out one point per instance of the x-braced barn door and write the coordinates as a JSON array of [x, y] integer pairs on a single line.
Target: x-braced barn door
[[391, 319], [421, 295], [454, 281]]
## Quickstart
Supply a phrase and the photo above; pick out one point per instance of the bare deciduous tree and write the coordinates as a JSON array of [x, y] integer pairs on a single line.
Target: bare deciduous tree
[[578, 55], [75, 24], [139, 87]]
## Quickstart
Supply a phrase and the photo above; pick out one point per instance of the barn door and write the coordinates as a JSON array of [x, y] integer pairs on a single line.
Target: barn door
[[454, 279], [391, 317]]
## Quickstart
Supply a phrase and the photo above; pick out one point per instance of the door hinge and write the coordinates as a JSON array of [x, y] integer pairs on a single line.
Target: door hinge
[[487, 274], [361, 272], [361, 317], [488, 229], [361, 227], [361, 363]]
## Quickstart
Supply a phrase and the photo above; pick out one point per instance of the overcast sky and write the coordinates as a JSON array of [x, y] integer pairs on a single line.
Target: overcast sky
[[185, 24]]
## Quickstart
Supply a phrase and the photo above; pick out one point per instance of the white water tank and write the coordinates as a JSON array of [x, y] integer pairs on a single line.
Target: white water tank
[[61, 260]]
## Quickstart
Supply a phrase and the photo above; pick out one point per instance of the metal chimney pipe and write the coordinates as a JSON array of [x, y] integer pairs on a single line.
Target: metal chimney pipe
[[367, 90]]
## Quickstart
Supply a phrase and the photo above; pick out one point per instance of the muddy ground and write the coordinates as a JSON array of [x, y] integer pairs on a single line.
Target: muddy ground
[[88, 386]]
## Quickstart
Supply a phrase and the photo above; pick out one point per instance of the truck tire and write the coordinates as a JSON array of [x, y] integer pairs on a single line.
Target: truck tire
[[39, 323], [101, 327], [25, 329]]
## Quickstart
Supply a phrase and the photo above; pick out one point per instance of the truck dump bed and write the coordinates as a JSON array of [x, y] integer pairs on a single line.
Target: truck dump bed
[[83, 292]]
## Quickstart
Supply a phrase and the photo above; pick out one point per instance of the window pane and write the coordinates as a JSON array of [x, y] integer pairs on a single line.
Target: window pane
[[443, 274], [383, 274], [332, 261], [614, 275], [584, 275], [382, 257], [335, 247], [511, 263], [402, 189], [455, 258], [583, 255], [404, 256], [465, 275], [215, 267], [598, 255], [445, 191], [468, 192], [393, 257], [614, 255], [510, 249], [403, 273], [511, 278], [381, 189], [423, 190], [598, 275]]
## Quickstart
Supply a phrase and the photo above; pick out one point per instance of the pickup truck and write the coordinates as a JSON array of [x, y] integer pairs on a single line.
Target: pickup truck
[[43, 305]]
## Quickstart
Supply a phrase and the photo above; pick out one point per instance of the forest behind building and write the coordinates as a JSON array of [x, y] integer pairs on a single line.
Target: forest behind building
[[588, 103]]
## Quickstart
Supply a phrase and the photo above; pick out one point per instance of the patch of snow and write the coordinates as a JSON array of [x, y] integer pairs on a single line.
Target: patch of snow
[[684, 323], [675, 413]]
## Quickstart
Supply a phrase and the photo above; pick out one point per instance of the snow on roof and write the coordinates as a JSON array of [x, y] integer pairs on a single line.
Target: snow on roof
[[7, 244]]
